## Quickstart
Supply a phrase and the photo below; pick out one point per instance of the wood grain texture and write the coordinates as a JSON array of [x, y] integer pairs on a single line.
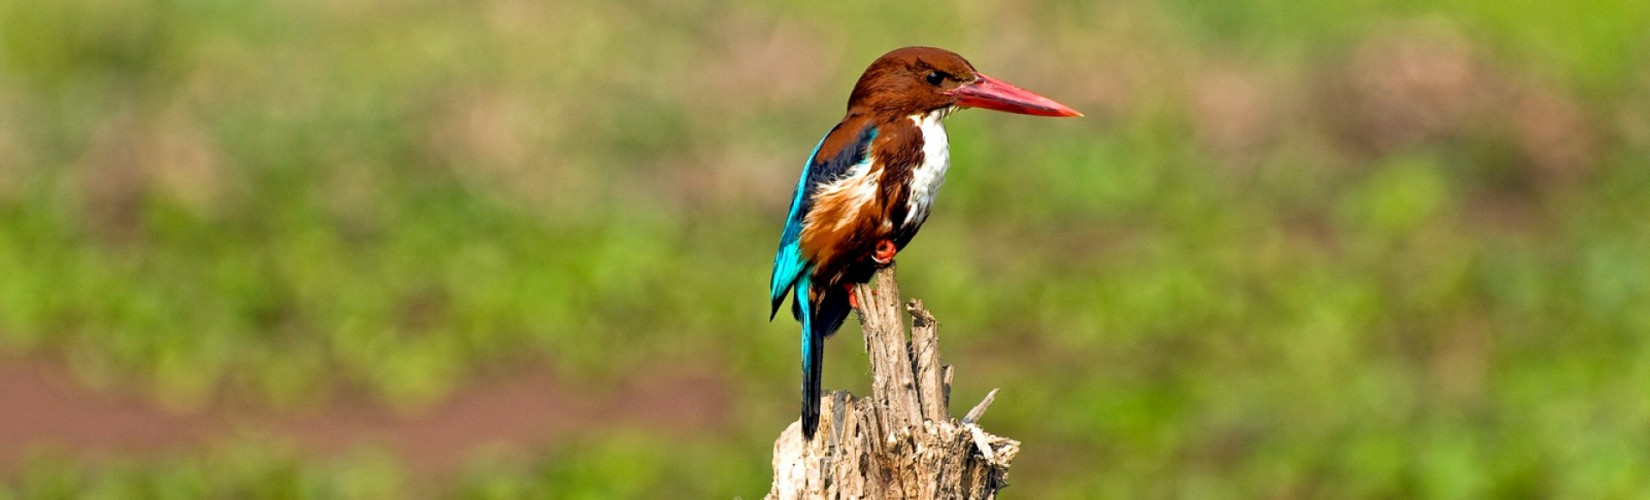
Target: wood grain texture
[[901, 442]]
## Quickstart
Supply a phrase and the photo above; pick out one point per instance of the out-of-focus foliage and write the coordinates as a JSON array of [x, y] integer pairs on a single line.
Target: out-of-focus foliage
[[1297, 249]]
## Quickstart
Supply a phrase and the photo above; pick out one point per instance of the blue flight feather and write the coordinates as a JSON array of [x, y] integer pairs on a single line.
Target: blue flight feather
[[788, 262]]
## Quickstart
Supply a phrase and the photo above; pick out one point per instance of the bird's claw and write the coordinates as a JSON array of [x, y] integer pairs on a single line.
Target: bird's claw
[[885, 252]]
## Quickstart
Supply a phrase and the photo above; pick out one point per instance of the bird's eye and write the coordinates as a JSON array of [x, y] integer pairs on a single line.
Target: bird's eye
[[936, 78]]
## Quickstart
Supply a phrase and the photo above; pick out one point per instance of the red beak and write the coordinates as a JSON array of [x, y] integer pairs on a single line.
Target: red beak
[[990, 93]]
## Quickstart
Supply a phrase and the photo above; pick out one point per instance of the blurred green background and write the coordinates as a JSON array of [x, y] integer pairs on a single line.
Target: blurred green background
[[1296, 250]]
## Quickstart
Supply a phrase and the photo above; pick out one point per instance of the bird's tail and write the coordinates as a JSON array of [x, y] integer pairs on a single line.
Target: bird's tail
[[813, 353], [823, 311]]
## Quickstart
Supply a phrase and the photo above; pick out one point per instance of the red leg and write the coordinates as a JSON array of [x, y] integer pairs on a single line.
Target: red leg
[[852, 301], [885, 252]]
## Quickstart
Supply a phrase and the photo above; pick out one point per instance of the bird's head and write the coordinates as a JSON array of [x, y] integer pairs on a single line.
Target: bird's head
[[915, 80]]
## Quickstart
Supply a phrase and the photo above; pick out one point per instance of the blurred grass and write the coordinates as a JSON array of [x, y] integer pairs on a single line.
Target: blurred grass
[[1356, 249]]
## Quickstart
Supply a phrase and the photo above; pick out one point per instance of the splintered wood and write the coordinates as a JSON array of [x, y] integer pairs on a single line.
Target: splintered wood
[[901, 442]]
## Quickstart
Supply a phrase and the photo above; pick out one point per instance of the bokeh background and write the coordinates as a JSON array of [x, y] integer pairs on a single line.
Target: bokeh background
[[511, 248]]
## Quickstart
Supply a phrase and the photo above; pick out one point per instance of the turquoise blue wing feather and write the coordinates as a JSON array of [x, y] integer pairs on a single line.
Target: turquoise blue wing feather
[[788, 263]]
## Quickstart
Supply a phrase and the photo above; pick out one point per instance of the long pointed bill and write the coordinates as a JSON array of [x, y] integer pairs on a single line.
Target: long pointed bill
[[991, 93]]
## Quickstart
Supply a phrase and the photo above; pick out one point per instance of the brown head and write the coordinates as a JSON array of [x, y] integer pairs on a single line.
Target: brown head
[[915, 80]]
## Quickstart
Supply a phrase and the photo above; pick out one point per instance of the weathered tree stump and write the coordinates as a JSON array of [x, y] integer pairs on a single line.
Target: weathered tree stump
[[901, 442]]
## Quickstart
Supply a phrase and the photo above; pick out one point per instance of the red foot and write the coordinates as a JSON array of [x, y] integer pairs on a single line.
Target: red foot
[[885, 252], [852, 301]]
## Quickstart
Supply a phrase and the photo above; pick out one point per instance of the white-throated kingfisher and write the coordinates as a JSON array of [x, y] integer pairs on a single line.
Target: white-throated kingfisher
[[869, 185]]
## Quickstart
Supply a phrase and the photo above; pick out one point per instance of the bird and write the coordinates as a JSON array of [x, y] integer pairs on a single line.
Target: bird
[[870, 184]]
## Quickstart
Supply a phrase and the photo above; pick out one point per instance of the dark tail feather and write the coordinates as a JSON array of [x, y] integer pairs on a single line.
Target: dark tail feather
[[831, 311], [811, 372], [827, 316], [796, 305]]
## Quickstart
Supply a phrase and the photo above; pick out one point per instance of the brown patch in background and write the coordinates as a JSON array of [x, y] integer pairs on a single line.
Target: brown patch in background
[[1409, 85], [44, 407], [183, 160], [136, 153], [762, 64], [1422, 83], [1234, 112], [110, 176], [1552, 133]]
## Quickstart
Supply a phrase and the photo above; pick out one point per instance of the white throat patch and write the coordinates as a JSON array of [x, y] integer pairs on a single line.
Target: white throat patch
[[936, 158]]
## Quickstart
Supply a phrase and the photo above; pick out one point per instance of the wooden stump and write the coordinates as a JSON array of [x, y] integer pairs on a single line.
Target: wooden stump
[[901, 442]]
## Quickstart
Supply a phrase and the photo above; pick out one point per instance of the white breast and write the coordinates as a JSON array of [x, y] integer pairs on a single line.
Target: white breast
[[936, 158]]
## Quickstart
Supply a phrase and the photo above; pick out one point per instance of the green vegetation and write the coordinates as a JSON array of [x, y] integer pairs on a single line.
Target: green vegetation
[[1335, 250]]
